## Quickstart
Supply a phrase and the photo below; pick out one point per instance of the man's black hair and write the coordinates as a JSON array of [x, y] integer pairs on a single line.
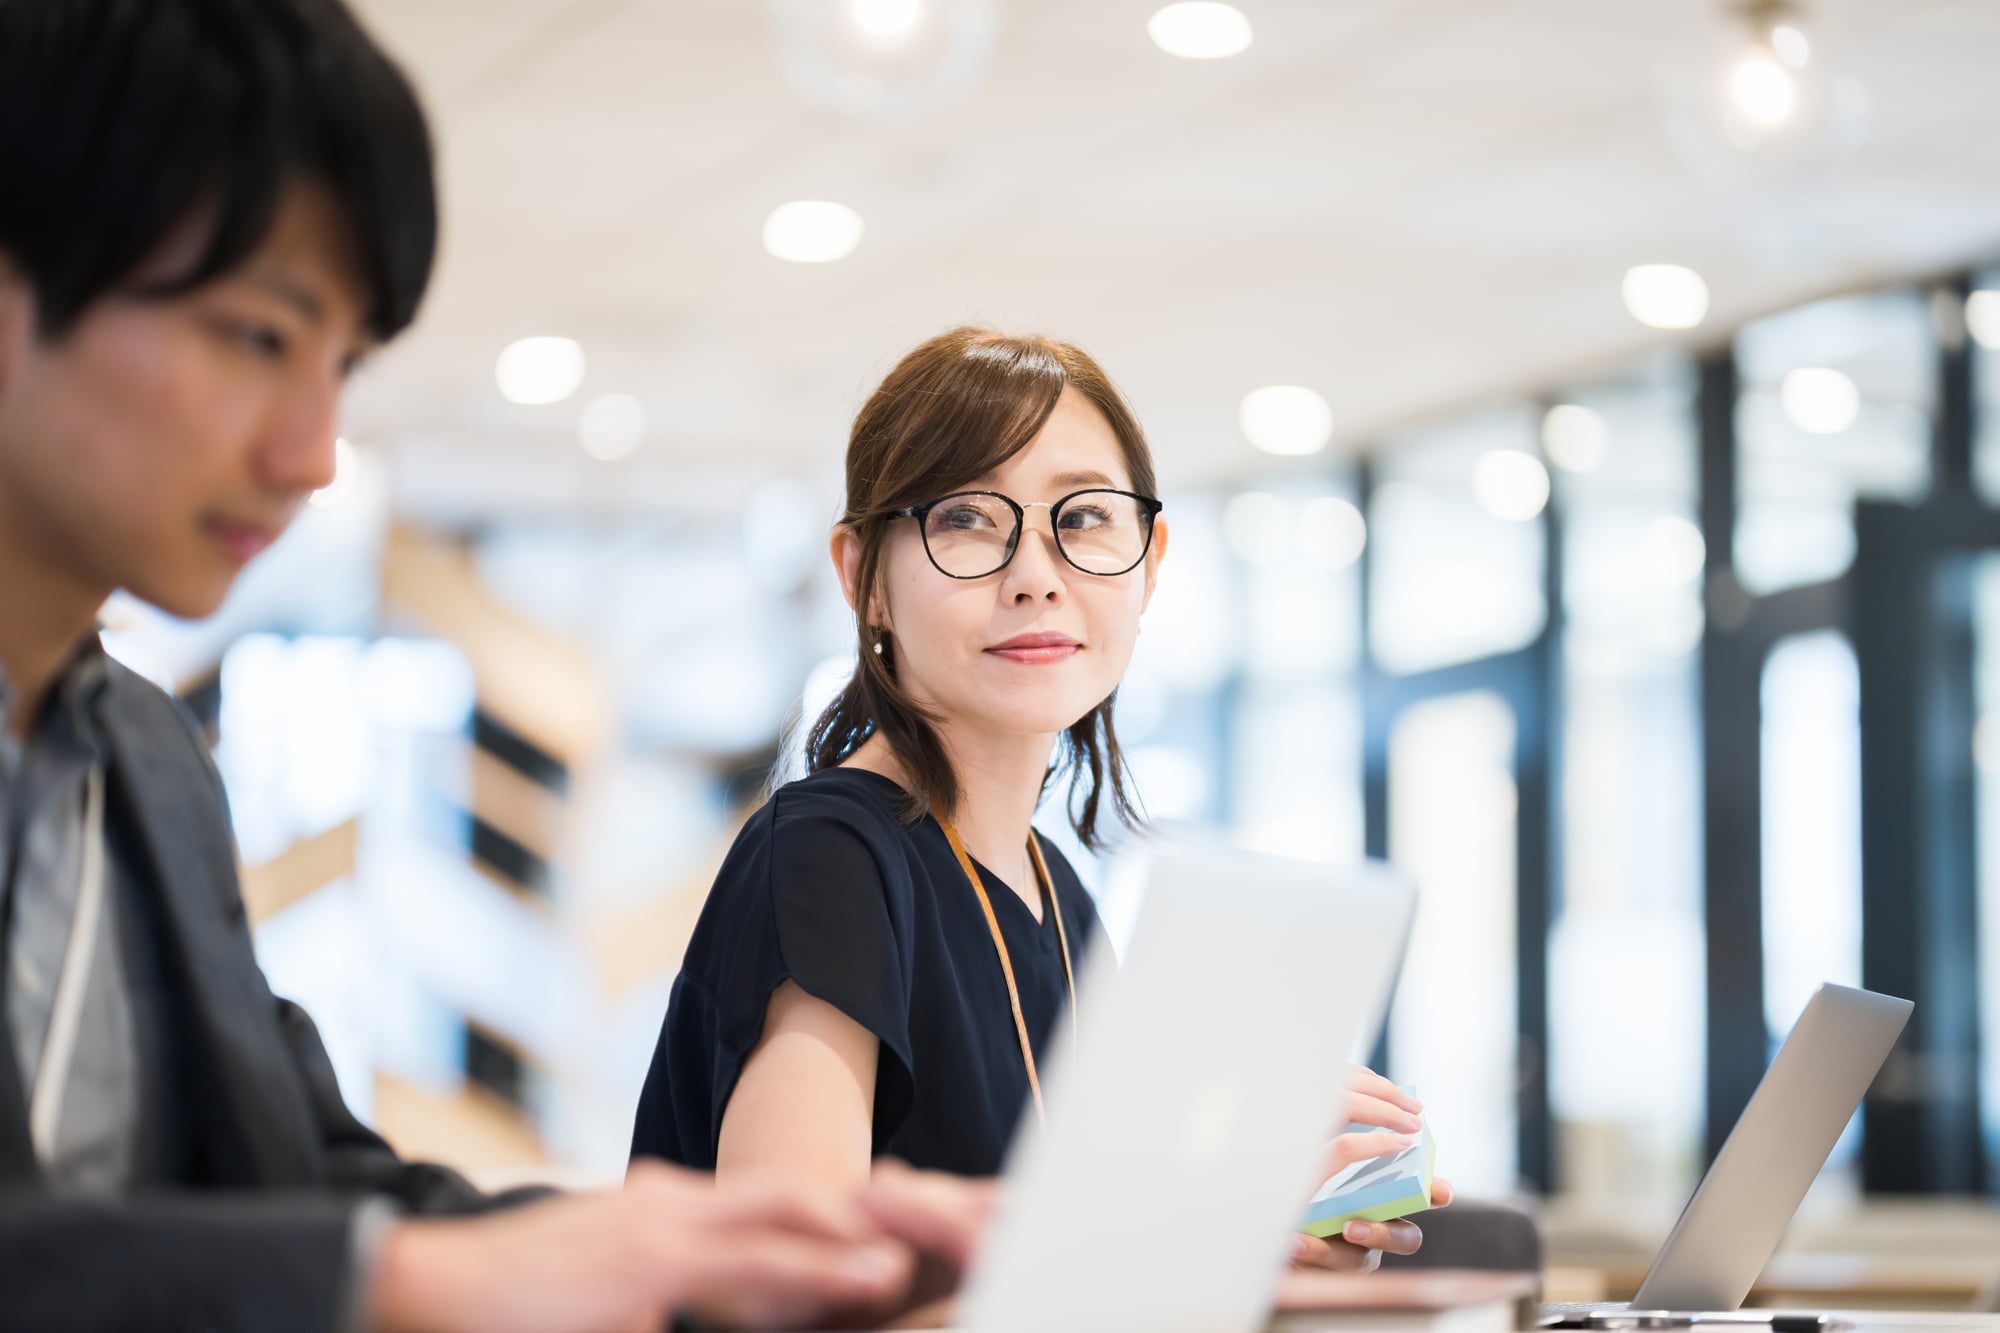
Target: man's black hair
[[120, 119]]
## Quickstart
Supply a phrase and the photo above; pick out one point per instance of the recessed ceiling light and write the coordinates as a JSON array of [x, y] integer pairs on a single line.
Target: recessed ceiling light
[[1333, 532], [886, 19], [1511, 485], [1575, 437], [1675, 551], [1820, 401], [1791, 45], [1286, 419], [538, 371], [612, 427], [1201, 30], [1666, 296], [812, 231]]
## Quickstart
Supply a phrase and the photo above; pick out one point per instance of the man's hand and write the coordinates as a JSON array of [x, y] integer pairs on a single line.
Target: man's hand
[[940, 1217], [755, 1253]]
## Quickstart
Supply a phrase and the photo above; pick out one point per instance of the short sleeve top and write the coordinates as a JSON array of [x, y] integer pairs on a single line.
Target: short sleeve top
[[828, 888]]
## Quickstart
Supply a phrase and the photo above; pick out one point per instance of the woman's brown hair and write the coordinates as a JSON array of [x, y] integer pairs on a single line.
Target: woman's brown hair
[[953, 410]]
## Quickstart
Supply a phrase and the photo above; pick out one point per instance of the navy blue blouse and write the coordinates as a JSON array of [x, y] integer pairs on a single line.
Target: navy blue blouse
[[827, 887]]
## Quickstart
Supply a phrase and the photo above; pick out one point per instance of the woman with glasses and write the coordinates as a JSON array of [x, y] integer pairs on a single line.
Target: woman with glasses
[[890, 946]]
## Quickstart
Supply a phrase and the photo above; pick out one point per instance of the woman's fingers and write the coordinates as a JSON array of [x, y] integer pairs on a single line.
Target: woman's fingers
[[1348, 1149], [1334, 1255], [1363, 1109], [1372, 1084], [1441, 1192], [1388, 1237]]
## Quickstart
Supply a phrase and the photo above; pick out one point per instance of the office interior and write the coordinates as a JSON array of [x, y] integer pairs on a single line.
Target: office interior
[[1579, 427]]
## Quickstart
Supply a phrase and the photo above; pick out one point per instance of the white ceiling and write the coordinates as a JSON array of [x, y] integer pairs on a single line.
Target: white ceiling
[[1406, 204]]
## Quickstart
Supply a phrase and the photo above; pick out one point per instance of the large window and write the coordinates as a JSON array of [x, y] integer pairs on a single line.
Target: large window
[[1836, 406], [1453, 803], [1626, 1080], [1457, 569]]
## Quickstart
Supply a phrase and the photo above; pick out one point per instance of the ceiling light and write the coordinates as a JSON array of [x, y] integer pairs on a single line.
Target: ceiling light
[[1675, 551], [1511, 485], [1982, 319], [812, 231], [1789, 44], [342, 484], [1666, 296], [886, 19], [1257, 526], [1286, 419], [1201, 30], [1820, 401], [612, 427], [1763, 89], [537, 371], [1333, 532], [1575, 438]]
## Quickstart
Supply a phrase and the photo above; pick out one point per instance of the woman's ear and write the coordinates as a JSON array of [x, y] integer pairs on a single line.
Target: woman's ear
[[846, 551], [1154, 555]]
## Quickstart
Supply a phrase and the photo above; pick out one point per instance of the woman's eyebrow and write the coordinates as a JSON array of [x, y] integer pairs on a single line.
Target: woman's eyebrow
[[1084, 479]]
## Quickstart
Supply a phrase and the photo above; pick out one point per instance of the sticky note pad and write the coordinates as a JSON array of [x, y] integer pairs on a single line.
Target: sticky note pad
[[1378, 1190]]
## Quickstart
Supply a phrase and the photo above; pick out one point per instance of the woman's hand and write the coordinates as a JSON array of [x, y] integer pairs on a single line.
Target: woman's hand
[[1395, 1118], [1359, 1248], [1374, 1101]]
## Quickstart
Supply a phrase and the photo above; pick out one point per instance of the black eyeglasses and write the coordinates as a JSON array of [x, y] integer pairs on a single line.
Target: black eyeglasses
[[971, 534]]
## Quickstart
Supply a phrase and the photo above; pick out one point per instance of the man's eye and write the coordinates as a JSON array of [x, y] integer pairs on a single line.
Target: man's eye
[[262, 339]]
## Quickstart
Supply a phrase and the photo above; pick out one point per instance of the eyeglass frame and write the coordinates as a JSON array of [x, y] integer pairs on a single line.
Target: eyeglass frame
[[1148, 506]]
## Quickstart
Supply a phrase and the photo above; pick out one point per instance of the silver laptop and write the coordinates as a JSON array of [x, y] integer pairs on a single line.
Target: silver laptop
[[1186, 1119], [1739, 1212]]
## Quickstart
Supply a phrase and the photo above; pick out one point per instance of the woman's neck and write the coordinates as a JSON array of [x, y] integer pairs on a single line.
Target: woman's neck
[[1000, 779]]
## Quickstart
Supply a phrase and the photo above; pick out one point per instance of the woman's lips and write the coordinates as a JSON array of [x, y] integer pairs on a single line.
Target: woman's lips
[[1037, 649], [243, 541]]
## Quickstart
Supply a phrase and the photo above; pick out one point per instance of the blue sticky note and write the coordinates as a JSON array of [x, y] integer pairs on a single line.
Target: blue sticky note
[[1380, 1189]]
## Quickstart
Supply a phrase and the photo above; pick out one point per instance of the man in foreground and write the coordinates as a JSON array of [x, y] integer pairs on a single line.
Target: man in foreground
[[210, 212]]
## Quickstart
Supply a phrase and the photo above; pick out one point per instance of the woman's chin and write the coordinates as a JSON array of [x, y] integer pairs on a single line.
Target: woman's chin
[[1041, 720]]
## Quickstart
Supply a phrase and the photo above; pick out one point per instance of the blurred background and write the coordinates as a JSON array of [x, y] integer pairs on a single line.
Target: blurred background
[[1579, 425]]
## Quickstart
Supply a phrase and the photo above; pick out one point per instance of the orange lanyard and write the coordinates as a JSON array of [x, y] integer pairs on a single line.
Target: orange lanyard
[[1000, 947]]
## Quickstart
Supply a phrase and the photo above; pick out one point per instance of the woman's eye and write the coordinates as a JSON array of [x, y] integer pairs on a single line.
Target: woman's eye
[[965, 518], [1085, 516]]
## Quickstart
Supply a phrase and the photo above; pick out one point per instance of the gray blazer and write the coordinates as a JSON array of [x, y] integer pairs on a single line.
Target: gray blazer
[[263, 1243]]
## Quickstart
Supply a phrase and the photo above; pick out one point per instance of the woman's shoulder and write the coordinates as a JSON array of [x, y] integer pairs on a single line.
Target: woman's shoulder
[[825, 844], [855, 798], [844, 819]]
